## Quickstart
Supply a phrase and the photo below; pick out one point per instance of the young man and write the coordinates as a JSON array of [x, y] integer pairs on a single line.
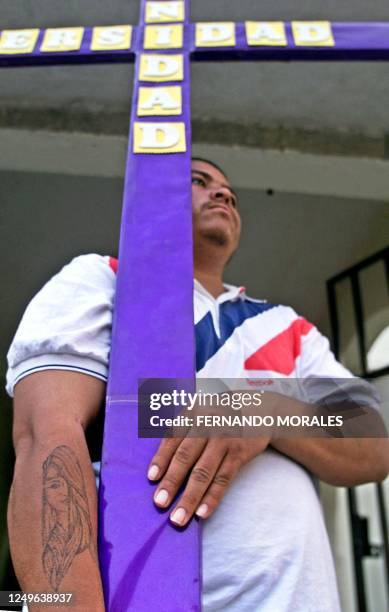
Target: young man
[[265, 547]]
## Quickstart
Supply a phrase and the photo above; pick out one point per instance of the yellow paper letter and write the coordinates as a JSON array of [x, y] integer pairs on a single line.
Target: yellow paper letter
[[154, 101], [163, 37], [160, 68], [266, 33], [18, 41], [62, 39], [313, 33], [159, 137], [215, 34], [111, 37], [159, 12]]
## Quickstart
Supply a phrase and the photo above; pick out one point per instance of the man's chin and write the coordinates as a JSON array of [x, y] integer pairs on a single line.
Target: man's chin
[[216, 236]]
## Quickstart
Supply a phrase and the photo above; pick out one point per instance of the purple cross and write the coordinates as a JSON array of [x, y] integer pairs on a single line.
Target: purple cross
[[146, 563]]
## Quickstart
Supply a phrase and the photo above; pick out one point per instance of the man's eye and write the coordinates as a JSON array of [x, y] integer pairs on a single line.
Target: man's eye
[[198, 181]]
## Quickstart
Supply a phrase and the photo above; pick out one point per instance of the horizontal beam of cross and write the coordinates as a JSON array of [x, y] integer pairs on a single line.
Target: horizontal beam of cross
[[351, 42]]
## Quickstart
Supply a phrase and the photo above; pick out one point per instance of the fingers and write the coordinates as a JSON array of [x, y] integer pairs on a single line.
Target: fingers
[[201, 477], [209, 479], [218, 487], [174, 462], [162, 457], [211, 464]]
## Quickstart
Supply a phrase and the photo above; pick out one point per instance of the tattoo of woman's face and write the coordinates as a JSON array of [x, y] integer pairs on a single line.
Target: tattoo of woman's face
[[56, 491], [66, 523]]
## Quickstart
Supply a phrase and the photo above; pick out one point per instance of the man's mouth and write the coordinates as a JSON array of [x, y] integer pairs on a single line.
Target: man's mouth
[[219, 208]]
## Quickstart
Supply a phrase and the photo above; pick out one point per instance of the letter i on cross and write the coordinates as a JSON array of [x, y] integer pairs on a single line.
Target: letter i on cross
[[146, 563]]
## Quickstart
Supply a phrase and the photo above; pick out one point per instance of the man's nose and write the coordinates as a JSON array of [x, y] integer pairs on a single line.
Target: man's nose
[[221, 194]]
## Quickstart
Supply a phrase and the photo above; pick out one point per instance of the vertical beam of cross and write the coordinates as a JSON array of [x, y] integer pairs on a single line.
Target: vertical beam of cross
[[146, 563]]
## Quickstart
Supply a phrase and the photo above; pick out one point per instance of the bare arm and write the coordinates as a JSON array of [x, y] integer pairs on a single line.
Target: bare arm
[[344, 462], [52, 513]]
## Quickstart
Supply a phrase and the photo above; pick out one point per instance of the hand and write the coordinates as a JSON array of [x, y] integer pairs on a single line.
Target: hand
[[210, 463]]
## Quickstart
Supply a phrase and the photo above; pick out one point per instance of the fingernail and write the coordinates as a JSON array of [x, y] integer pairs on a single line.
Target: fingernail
[[178, 516], [202, 510], [161, 497], [153, 472]]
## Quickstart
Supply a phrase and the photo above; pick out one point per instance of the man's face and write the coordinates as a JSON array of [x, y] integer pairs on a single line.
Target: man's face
[[215, 214]]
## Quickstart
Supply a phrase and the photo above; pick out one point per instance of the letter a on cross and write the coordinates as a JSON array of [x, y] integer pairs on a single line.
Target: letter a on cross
[[146, 563]]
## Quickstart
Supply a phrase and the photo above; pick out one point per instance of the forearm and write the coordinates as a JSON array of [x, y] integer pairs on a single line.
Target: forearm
[[52, 516], [339, 462], [345, 461]]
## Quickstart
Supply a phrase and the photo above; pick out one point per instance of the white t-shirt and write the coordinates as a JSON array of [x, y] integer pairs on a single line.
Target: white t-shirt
[[265, 549]]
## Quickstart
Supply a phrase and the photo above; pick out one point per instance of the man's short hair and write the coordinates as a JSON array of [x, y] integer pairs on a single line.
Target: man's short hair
[[211, 163]]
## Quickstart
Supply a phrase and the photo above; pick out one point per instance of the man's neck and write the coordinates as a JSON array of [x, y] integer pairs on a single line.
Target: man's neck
[[212, 283], [209, 264]]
